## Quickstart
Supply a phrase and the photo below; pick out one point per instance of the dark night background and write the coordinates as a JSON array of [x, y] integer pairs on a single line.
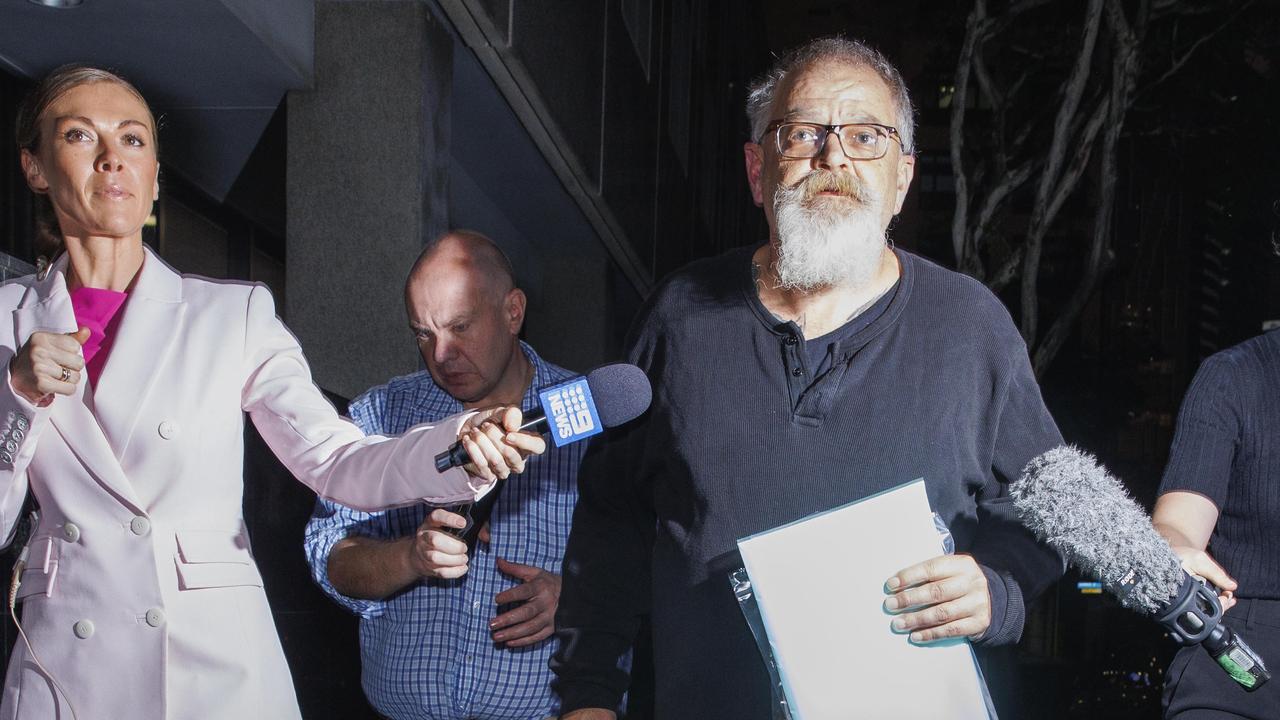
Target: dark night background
[[650, 168]]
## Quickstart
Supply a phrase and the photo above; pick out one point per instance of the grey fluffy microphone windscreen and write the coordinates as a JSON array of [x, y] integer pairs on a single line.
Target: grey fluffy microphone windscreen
[[1073, 504]]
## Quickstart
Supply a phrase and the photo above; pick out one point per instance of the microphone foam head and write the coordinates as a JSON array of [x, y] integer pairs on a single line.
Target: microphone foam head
[[1072, 503], [621, 392]]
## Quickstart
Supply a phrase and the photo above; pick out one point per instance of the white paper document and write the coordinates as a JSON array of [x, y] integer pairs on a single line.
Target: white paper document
[[819, 583]]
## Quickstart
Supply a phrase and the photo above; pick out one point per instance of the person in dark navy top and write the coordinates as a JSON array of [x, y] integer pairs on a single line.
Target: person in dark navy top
[[816, 369], [1219, 508]]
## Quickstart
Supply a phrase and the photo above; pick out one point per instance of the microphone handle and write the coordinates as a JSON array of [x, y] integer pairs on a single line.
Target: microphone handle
[[456, 455], [1195, 618], [1241, 662], [477, 513]]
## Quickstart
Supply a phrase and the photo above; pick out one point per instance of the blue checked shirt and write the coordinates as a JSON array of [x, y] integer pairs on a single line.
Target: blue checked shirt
[[426, 651]]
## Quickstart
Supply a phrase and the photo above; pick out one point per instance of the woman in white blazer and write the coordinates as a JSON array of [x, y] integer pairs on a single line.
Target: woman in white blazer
[[140, 597]]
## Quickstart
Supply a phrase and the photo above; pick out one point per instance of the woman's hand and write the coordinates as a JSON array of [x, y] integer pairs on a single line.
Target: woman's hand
[[1186, 520], [495, 445], [48, 364], [1199, 562]]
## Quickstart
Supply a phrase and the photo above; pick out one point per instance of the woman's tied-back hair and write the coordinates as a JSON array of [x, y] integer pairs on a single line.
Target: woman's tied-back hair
[[27, 132], [761, 91]]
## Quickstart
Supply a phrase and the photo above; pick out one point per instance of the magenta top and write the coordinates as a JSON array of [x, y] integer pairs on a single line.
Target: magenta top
[[98, 310]]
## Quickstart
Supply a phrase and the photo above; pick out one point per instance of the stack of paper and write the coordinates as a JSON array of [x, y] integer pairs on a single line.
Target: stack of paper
[[819, 583]]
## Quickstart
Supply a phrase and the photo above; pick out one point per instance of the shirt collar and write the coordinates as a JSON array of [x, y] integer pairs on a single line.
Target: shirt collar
[[542, 377]]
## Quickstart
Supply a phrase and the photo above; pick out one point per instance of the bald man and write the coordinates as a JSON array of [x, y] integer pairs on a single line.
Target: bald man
[[444, 634]]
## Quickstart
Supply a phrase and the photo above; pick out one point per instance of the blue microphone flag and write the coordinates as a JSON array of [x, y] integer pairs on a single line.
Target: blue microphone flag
[[571, 413]]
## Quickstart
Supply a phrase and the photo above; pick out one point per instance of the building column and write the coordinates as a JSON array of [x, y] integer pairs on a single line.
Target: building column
[[367, 186]]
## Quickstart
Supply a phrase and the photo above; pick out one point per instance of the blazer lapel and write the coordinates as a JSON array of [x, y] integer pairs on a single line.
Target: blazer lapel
[[152, 321], [47, 308]]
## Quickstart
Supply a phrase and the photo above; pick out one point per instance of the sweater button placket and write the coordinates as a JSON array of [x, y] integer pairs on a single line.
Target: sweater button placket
[[789, 343]]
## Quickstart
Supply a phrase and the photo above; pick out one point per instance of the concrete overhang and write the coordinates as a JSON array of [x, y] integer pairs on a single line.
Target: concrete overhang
[[214, 71]]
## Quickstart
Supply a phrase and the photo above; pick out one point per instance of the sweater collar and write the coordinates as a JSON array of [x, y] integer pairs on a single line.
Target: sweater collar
[[907, 264]]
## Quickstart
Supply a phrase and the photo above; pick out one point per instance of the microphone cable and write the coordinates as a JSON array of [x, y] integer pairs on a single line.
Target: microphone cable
[[14, 583]]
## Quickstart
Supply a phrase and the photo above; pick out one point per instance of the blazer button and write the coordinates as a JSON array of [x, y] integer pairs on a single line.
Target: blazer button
[[5, 457], [155, 617], [83, 629], [140, 525], [71, 532], [21, 422], [168, 429]]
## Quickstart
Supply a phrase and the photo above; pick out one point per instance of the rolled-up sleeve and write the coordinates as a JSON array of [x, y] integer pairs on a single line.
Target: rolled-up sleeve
[[330, 523]]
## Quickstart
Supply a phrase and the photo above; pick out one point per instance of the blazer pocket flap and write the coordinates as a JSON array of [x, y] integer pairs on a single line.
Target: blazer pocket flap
[[199, 546], [194, 576], [37, 580]]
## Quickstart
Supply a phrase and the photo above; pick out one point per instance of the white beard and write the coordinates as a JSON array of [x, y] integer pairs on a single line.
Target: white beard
[[826, 242]]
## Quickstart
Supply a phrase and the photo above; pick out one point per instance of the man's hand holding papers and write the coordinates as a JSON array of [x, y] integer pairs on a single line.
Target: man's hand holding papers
[[940, 598]]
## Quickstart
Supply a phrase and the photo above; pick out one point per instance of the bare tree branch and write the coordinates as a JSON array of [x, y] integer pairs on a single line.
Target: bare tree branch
[[996, 197], [1007, 271], [1017, 84], [997, 26], [999, 111], [1177, 63], [1041, 150], [986, 84], [1072, 91], [994, 201], [1165, 8], [1124, 70], [1071, 176], [959, 98]]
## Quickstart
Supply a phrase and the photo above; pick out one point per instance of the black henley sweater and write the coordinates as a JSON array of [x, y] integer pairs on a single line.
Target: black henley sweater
[[739, 439]]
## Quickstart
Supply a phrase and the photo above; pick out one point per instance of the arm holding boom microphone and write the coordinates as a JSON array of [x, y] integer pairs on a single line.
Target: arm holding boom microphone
[[1187, 520], [1070, 502]]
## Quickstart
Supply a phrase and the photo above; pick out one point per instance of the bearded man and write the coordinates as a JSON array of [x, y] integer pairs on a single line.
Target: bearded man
[[821, 367]]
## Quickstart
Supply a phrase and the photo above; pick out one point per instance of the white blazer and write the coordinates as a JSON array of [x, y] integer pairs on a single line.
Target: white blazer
[[141, 596]]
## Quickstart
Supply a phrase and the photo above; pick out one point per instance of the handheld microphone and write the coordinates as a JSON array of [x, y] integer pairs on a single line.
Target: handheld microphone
[[569, 411], [1073, 504], [578, 408]]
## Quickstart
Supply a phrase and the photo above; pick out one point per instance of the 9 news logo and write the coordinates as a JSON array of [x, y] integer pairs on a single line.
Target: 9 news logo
[[571, 413]]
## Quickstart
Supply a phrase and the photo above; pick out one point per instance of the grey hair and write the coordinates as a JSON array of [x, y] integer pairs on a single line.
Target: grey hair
[[760, 93]]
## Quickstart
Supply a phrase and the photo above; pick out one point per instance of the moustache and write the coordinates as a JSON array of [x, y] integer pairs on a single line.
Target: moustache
[[823, 181]]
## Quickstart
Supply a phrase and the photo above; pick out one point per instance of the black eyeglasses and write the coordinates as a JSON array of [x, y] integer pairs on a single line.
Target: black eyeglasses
[[858, 141]]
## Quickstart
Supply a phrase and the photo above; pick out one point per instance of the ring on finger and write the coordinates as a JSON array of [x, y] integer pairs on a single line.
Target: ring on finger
[[66, 374]]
